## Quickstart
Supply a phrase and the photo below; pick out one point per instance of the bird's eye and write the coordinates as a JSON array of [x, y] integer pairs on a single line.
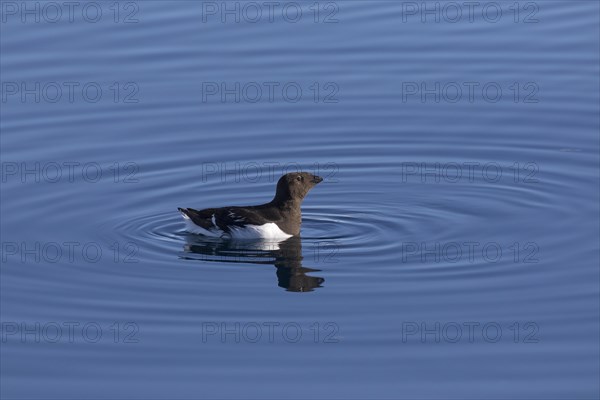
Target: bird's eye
[[299, 178]]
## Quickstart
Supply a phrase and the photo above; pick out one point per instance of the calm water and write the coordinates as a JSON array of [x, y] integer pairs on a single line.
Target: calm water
[[452, 250]]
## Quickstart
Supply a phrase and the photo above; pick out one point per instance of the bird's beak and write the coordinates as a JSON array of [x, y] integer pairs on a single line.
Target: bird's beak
[[317, 179]]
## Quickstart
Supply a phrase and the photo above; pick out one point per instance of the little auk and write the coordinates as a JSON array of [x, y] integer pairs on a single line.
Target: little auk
[[277, 220]]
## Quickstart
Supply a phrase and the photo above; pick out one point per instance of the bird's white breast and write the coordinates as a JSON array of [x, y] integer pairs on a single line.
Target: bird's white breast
[[268, 231]]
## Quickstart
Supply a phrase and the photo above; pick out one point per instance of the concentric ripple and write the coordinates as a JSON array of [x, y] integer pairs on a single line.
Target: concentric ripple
[[352, 231]]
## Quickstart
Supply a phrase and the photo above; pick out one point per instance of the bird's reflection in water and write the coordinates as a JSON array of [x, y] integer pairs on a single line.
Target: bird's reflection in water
[[286, 256]]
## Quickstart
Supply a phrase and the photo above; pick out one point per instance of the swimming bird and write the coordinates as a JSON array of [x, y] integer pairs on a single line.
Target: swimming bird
[[278, 219]]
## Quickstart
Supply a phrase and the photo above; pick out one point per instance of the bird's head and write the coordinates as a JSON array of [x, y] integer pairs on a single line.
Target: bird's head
[[296, 185]]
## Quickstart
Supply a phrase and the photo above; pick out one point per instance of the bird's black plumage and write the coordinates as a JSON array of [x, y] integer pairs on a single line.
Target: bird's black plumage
[[284, 210]]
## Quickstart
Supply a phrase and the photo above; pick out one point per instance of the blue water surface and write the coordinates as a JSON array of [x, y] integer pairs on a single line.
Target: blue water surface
[[452, 250]]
